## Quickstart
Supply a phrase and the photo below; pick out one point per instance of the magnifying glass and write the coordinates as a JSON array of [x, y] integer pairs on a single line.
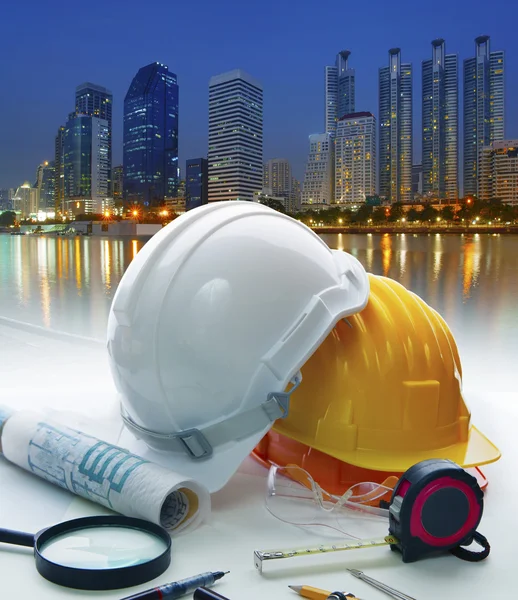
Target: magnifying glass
[[97, 553]]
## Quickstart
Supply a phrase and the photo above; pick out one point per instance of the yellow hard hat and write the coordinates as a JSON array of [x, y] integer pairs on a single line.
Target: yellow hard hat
[[383, 391]]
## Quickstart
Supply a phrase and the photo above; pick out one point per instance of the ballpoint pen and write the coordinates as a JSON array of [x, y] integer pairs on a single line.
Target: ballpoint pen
[[179, 588], [380, 586]]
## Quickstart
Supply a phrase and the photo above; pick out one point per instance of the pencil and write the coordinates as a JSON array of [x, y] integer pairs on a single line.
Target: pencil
[[313, 593]]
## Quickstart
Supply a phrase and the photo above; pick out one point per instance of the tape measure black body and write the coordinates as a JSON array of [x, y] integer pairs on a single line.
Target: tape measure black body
[[436, 506]]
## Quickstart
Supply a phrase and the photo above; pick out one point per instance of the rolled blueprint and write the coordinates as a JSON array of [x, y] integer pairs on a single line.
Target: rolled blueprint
[[5, 413], [101, 472]]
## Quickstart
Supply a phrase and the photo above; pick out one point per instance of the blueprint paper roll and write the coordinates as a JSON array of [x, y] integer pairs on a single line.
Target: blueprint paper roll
[[5, 413], [103, 473]]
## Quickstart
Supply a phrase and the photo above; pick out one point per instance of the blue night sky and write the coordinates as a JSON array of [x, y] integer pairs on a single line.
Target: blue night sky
[[48, 48]]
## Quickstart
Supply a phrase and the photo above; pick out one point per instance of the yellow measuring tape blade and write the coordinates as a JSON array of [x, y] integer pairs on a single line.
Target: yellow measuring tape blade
[[262, 555]]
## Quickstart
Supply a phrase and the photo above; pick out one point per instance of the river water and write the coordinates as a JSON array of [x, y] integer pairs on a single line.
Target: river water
[[472, 280]]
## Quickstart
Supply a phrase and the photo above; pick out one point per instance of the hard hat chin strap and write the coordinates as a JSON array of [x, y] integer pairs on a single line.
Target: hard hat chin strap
[[199, 443]]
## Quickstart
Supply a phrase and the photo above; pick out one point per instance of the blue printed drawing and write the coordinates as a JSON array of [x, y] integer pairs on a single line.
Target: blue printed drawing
[[80, 463]]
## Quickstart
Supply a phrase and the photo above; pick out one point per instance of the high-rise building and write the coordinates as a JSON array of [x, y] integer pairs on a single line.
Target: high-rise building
[[498, 173], [26, 201], [277, 176], [235, 136], [196, 182], [395, 138], [319, 175], [440, 137], [118, 184], [59, 174], [150, 153], [45, 178], [97, 101], [5, 202], [86, 165], [339, 90], [297, 194], [484, 107], [417, 181], [279, 182], [355, 157]]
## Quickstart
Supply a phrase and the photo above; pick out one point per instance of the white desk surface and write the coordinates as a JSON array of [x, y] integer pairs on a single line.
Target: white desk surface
[[37, 372]]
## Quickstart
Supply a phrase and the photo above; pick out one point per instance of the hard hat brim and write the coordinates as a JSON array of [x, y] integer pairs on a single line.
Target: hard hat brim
[[476, 451]]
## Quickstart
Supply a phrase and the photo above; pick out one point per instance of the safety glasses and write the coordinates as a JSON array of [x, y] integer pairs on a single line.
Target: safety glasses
[[294, 497]]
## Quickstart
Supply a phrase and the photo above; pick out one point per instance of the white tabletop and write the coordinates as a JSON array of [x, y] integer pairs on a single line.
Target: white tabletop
[[37, 371]]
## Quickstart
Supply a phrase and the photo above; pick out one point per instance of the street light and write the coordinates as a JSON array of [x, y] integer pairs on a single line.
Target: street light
[[340, 221]]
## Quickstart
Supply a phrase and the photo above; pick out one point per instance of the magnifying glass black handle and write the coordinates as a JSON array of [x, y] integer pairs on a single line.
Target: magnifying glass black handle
[[18, 538]]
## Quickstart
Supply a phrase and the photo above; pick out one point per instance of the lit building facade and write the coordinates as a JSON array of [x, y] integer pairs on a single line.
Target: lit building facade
[[278, 179], [417, 181], [118, 184], [150, 140], [484, 107], [440, 136], [395, 127], [86, 165], [319, 174], [235, 136], [498, 174], [59, 174], [45, 179], [196, 182], [355, 158], [339, 90], [97, 101], [26, 201]]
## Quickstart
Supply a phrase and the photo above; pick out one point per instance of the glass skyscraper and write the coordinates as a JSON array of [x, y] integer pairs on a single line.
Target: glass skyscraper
[[97, 101], [85, 164], [59, 175], [440, 123], [395, 115], [339, 90], [484, 104], [196, 182], [45, 178], [150, 146]]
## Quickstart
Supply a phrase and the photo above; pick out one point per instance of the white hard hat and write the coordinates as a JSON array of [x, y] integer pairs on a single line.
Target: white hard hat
[[212, 321]]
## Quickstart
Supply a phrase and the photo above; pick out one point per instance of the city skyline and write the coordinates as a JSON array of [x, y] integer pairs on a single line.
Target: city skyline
[[288, 123]]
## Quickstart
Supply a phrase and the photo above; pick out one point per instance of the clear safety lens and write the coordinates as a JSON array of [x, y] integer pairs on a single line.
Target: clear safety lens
[[294, 497], [103, 548]]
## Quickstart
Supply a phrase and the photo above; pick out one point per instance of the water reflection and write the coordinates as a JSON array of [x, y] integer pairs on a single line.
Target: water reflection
[[68, 283], [63, 283], [386, 249], [471, 265]]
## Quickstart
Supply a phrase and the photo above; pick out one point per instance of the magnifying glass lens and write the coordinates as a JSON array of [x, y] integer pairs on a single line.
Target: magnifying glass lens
[[103, 548]]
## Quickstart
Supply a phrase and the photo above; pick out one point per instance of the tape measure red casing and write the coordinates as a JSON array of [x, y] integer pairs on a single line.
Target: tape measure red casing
[[436, 506]]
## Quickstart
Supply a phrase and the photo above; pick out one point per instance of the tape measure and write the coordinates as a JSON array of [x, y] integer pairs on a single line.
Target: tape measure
[[436, 506]]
